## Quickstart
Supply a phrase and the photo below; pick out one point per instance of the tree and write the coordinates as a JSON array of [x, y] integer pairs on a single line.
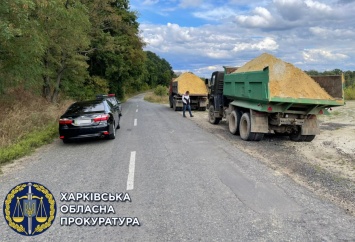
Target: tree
[[20, 43], [117, 50], [159, 71], [65, 26]]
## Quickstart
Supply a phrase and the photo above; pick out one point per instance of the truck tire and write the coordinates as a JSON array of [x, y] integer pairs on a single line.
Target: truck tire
[[174, 106], [171, 104], [258, 136], [245, 128], [211, 118], [297, 137], [309, 138], [234, 121]]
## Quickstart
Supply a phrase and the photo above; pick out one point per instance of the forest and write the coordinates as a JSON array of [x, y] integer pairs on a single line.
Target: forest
[[75, 49]]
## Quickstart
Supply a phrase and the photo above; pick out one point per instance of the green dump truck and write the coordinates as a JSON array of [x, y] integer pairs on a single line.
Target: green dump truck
[[246, 100]]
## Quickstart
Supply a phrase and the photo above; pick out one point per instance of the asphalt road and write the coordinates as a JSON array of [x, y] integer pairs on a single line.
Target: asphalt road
[[185, 184]]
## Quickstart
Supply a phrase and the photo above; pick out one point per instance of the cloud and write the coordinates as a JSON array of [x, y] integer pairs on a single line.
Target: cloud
[[318, 7], [332, 33], [310, 34], [267, 44], [346, 1], [262, 18], [190, 3], [319, 55], [215, 14], [291, 10], [150, 2]]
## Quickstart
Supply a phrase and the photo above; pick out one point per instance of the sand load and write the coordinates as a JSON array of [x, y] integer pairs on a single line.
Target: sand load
[[286, 80], [192, 83]]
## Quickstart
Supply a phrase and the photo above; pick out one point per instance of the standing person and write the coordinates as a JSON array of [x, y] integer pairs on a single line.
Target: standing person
[[186, 104]]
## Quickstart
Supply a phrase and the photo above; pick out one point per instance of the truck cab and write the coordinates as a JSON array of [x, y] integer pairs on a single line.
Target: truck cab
[[216, 100]]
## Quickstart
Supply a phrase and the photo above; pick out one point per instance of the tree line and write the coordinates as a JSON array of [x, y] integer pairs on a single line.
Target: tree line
[[77, 48]]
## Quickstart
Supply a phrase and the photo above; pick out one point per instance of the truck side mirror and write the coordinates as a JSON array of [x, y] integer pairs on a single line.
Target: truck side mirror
[[206, 81]]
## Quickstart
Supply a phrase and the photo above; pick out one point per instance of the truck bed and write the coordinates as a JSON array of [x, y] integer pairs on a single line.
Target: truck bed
[[251, 90]]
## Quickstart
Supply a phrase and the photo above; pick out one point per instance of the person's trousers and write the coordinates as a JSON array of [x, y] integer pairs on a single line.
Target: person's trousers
[[188, 107]]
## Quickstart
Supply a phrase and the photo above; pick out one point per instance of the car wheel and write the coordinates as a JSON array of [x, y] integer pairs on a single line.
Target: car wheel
[[66, 141], [118, 125], [112, 135]]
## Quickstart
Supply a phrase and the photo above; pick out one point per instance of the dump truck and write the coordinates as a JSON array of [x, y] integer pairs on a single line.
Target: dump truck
[[192, 83], [261, 102]]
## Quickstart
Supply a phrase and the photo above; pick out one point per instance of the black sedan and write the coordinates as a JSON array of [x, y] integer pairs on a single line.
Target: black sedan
[[95, 118]]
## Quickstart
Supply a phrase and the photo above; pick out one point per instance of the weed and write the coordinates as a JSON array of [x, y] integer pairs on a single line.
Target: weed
[[27, 121], [349, 93], [160, 91], [28, 143], [151, 97]]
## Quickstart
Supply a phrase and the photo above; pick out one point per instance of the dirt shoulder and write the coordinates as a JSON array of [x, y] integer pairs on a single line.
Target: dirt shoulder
[[326, 165]]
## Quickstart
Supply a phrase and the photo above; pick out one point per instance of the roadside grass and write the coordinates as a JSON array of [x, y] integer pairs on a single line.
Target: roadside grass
[[350, 93], [153, 98], [27, 122], [28, 143]]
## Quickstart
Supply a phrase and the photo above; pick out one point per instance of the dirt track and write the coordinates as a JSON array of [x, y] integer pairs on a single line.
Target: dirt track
[[326, 165]]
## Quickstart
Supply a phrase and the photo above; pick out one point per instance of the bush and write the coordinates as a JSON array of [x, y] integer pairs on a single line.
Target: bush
[[350, 93], [160, 91]]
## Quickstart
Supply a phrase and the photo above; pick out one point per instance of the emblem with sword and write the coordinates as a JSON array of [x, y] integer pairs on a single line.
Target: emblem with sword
[[30, 206]]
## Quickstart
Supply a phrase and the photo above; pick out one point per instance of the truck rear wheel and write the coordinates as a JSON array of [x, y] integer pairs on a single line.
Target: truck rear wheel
[[309, 138], [211, 118], [258, 136], [171, 102], [174, 106], [245, 128], [297, 136], [234, 121]]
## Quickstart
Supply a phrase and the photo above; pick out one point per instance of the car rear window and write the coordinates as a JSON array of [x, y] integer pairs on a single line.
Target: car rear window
[[86, 108]]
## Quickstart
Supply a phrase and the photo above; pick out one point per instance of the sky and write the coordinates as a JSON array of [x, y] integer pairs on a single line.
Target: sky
[[203, 36]]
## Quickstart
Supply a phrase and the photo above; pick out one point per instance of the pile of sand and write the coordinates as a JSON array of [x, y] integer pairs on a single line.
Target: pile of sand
[[192, 83], [286, 80]]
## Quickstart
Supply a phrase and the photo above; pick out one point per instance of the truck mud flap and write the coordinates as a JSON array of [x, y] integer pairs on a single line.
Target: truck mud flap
[[311, 126], [259, 122]]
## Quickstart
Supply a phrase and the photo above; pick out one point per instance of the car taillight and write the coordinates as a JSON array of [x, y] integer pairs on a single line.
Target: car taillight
[[111, 95], [100, 118], [65, 121]]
